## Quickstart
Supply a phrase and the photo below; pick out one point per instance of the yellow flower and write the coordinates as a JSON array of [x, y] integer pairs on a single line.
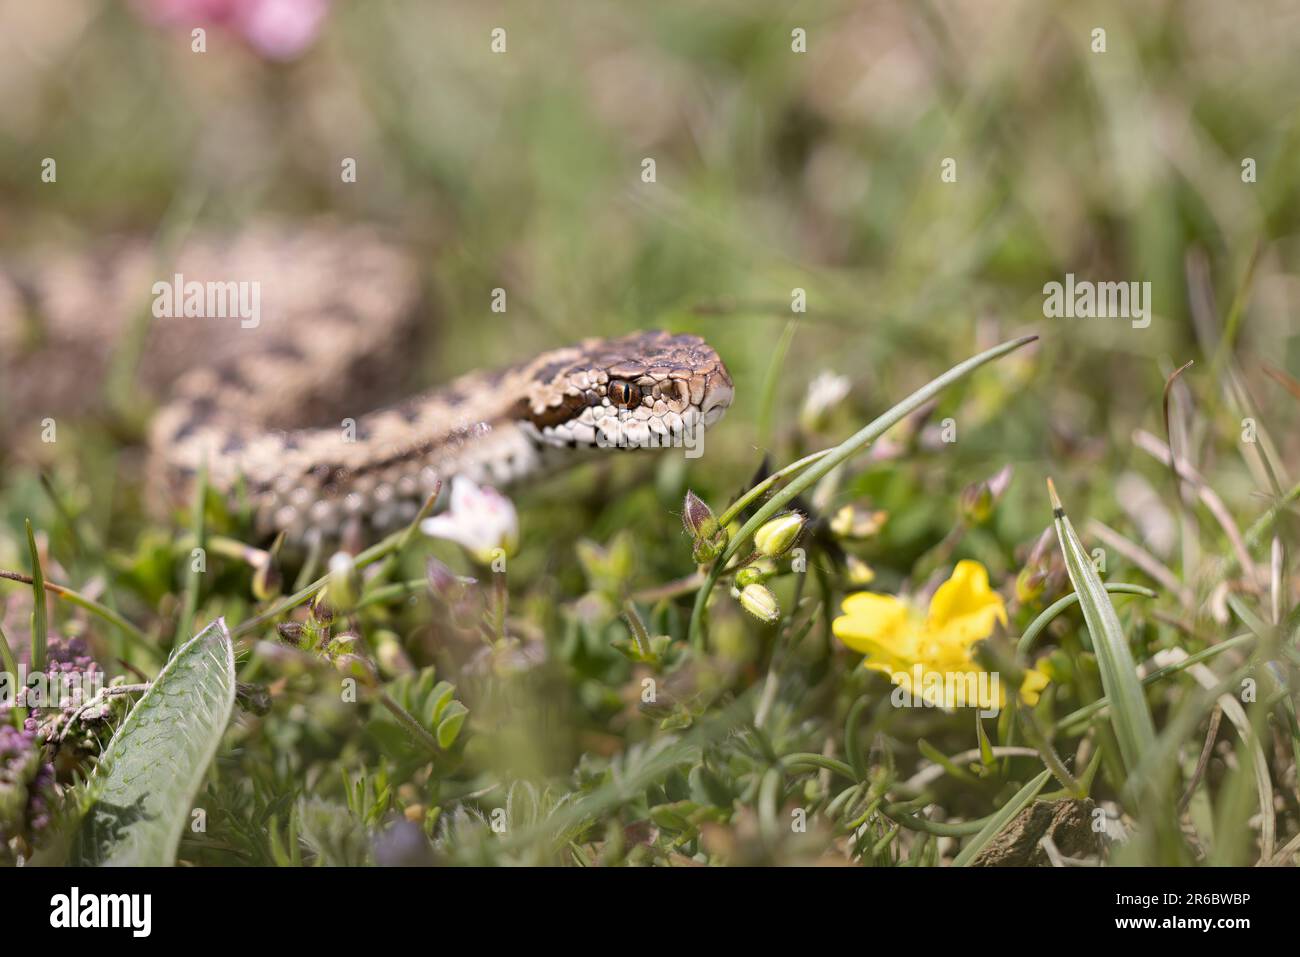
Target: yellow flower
[[914, 649]]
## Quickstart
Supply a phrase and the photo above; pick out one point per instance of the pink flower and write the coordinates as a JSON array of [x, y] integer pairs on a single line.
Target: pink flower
[[479, 519], [277, 29]]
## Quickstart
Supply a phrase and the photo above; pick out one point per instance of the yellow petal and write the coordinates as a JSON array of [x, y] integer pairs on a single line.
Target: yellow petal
[[964, 608], [874, 624], [1035, 681], [904, 678]]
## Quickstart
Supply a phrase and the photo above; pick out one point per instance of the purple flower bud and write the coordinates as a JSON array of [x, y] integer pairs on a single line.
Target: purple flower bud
[[698, 517], [444, 584], [708, 538]]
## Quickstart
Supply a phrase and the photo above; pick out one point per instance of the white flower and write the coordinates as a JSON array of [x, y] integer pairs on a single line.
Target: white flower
[[479, 519], [825, 392]]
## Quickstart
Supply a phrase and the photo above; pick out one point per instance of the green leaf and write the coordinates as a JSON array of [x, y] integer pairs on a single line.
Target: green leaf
[[418, 708], [146, 780], [439, 697], [1129, 714], [853, 748], [986, 746], [333, 833], [449, 727], [1001, 819], [941, 759]]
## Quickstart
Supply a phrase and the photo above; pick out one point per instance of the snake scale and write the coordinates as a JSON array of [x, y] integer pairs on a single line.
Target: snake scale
[[287, 414]]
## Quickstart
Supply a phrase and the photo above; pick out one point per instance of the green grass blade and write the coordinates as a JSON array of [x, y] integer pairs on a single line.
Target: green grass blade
[[40, 623], [10, 665], [142, 790], [1070, 721], [1001, 819], [1048, 615], [7, 660], [767, 399], [1129, 715], [193, 580]]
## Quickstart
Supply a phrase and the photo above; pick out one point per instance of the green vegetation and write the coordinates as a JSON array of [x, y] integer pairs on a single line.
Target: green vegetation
[[652, 678]]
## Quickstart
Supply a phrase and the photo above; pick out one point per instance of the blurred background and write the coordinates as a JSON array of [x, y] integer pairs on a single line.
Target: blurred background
[[775, 169], [795, 146]]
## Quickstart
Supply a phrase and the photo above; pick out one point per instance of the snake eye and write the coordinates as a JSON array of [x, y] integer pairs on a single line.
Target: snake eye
[[623, 394]]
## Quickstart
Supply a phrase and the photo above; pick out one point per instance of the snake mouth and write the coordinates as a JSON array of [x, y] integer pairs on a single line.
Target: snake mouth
[[718, 394]]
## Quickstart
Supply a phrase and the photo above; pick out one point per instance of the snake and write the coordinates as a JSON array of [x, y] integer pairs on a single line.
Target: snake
[[306, 417]]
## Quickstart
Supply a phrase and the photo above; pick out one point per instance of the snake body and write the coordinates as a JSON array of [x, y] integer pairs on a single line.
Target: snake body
[[282, 415]]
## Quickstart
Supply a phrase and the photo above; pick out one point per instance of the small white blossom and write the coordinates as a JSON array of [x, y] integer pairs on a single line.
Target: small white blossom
[[479, 519], [825, 392]]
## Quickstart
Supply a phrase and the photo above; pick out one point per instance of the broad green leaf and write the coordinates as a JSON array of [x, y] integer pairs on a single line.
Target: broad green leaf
[[146, 780], [1129, 714]]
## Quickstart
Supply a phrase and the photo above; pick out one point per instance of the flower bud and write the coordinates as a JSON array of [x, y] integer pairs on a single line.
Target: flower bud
[[290, 632], [859, 572], [253, 698], [759, 601], [390, 655], [444, 584], [268, 582], [857, 521], [344, 583], [976, 503], [1031, 583], [978, 499], [321, 609], [778, 536], [355, 666], [698, 517], [708, 538], [825, 393], [757, 573], [705, 550]]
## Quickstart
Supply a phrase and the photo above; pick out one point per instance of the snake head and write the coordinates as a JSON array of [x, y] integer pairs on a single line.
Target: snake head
[[645, 390]]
